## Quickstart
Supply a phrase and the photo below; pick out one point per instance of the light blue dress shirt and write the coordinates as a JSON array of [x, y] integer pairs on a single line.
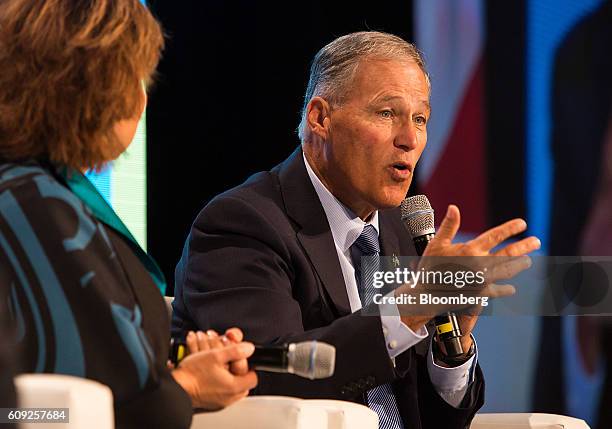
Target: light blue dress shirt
[[450, 383]]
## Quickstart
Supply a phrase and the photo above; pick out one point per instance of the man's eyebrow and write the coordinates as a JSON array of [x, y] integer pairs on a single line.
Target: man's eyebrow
[[388, 98]]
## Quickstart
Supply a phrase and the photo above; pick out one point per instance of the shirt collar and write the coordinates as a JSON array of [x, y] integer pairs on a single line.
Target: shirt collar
[[345, 225]]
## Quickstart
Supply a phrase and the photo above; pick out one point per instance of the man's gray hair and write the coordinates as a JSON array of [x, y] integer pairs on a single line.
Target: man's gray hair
[[333, 67]]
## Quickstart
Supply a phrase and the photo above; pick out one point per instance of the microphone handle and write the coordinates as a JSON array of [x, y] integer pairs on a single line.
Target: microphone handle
[[421, 242], [447, 325], [270, 358], [449, 332]]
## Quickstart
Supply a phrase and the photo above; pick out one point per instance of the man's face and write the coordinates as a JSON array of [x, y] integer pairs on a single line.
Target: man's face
[[377, 135]]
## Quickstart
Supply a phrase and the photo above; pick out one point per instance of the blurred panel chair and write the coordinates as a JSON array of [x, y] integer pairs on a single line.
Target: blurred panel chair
[[90, 403], [91, 406], [281, 412], [168, 300], [526, 421]]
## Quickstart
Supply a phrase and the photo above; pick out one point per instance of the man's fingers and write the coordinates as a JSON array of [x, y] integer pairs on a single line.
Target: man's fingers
[[471, 311], [499, 291], [450, 225], [522, 247], [491, 238], [508, 268]]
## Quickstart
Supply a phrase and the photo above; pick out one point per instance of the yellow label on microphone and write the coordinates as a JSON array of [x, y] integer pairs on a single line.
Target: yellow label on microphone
[[180, 353], [444, 328]]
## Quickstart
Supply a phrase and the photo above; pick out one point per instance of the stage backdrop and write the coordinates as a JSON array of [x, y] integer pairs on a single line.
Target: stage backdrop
[[124, 185]]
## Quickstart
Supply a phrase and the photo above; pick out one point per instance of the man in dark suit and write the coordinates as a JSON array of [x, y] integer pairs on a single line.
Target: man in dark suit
[[278, 255]]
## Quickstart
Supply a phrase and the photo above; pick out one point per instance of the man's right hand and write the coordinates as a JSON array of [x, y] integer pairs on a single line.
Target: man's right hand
[[514, 260]]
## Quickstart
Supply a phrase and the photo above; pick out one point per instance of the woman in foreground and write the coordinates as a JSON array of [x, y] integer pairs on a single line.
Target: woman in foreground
[[85, 297]]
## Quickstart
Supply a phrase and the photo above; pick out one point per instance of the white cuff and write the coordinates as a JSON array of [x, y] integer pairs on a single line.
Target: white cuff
[[398, 336], [452, 383]]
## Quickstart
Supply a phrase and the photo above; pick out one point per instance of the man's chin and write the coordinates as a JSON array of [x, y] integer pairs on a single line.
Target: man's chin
[[392, 199], [390, 203]]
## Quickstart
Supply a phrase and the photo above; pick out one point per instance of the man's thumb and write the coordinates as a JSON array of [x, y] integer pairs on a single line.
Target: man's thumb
[[450, 224]]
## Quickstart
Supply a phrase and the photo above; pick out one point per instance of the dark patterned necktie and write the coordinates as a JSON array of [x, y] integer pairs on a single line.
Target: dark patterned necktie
[[381, 398]]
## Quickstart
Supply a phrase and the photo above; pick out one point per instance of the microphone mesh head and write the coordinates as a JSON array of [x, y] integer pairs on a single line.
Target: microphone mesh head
[[417, 215], [312, 359]]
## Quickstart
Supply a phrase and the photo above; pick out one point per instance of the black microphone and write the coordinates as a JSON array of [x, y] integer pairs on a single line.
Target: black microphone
[[308, 359], [418, 218]]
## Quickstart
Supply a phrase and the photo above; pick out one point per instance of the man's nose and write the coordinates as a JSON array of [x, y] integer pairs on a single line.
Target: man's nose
[[406, 137]]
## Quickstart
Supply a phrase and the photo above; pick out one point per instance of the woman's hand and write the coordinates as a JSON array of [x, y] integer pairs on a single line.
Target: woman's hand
[[216, 372], [200, 341]]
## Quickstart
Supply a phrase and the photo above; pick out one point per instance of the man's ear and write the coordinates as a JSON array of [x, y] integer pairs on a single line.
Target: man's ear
[[317, 117]]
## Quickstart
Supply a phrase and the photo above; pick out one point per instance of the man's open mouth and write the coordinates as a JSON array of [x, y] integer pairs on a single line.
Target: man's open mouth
[[401, 166]]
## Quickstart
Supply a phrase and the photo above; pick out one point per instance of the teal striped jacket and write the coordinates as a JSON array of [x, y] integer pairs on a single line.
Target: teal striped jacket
[[84, 297]]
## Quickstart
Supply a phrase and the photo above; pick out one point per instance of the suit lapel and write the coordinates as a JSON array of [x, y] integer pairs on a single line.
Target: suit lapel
[[389, 244], [394, 242], [394, 239], [389, 241], [303, 206]]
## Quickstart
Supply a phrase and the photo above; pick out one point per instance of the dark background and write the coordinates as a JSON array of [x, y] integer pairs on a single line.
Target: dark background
[[230, 88]]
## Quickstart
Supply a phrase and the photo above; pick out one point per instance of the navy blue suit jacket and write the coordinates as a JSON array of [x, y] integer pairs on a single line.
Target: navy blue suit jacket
[[261, 257]]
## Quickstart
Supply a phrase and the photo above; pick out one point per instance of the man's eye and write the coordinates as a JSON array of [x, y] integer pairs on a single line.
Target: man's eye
[[387, 114], [420, 120]]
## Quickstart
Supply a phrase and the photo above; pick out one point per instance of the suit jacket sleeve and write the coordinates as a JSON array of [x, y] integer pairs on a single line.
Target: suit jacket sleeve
[[433, 410]]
